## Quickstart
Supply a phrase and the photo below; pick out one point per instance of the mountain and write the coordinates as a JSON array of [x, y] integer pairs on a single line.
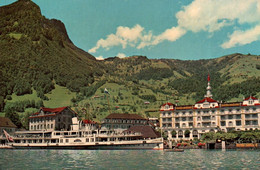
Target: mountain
[[40, 66], [37, 52]]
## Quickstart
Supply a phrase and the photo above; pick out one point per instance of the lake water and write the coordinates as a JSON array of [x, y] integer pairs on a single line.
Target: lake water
[[129, 159]]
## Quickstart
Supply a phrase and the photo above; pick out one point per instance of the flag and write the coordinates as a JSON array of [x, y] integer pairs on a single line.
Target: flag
[[106, 91], [8, 137], [208, 77]]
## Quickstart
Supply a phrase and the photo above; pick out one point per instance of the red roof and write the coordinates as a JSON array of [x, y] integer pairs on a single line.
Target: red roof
[[207, 99], [47, 112], [250, 97], [88, 122], [53, 110], [170, 104]]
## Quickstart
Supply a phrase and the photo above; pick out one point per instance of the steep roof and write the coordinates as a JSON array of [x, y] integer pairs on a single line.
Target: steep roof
[[49, 112], [53, 110], [6, 122], [207, 99], [124, 116], [170, 104], [251, 97], [146, 131]]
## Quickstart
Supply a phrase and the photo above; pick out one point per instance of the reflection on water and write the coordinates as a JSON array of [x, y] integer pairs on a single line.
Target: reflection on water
[[129, 159]]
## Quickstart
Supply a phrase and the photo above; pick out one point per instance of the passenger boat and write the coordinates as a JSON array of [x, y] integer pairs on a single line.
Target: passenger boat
[[83, 138]]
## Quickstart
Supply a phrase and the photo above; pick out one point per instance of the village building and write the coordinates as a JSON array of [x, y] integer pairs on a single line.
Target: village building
[[122, 122], [7, 125], [209, 115], [50, 119]]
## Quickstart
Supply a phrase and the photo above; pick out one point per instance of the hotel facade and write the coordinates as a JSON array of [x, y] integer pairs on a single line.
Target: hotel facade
[[209, 115]]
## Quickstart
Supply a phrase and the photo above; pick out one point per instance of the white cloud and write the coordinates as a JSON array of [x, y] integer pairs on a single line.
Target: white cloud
[[121, 55], [171, 34], [200, 15], [242, 37], [137, 37], [124, 36], [212, 15], [100, 58]]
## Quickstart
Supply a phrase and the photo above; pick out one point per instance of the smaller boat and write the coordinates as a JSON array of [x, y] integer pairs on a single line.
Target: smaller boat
[[174, 150]]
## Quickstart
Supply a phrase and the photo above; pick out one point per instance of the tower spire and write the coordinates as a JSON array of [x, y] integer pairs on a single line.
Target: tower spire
[[208, 94]]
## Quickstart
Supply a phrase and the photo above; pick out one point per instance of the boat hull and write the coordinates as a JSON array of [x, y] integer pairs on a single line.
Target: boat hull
[[93, 147]]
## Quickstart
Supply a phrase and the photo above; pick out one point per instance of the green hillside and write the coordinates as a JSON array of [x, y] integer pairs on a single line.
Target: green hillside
[[40, 66]]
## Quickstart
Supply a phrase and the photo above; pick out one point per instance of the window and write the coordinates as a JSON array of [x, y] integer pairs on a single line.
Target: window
[[247, 116], [247, 122], [238, 116], [184, 119], [230, 116], [254, 115], [238, 122], [177, 125], [190, 124], [223, 123], [190, 112], [167, 106], [255, 122], [223, 117]]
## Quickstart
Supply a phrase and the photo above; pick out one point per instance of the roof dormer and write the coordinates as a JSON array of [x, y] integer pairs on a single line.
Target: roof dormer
[[167, 106], [250, 101], [207, 102]]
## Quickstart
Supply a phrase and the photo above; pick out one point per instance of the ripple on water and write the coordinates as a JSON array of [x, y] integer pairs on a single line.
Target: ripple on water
[[128, 159]]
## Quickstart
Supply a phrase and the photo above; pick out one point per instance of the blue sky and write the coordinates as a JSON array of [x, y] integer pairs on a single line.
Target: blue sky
[[176, 29]]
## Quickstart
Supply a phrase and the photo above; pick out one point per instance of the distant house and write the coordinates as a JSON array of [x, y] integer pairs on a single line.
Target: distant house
[[7, 125], [123, 121], [51, 119]]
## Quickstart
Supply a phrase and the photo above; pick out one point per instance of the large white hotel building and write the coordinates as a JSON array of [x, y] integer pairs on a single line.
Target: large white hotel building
[[209, 115]]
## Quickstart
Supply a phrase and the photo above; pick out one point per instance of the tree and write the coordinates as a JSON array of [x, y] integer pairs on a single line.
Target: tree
[[14, 117]]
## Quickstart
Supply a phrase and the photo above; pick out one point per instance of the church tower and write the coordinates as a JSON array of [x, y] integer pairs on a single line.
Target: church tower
[[208, 94]]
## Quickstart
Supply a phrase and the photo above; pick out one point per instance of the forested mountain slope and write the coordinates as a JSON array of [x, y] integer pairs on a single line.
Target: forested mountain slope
[[40, 66]]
